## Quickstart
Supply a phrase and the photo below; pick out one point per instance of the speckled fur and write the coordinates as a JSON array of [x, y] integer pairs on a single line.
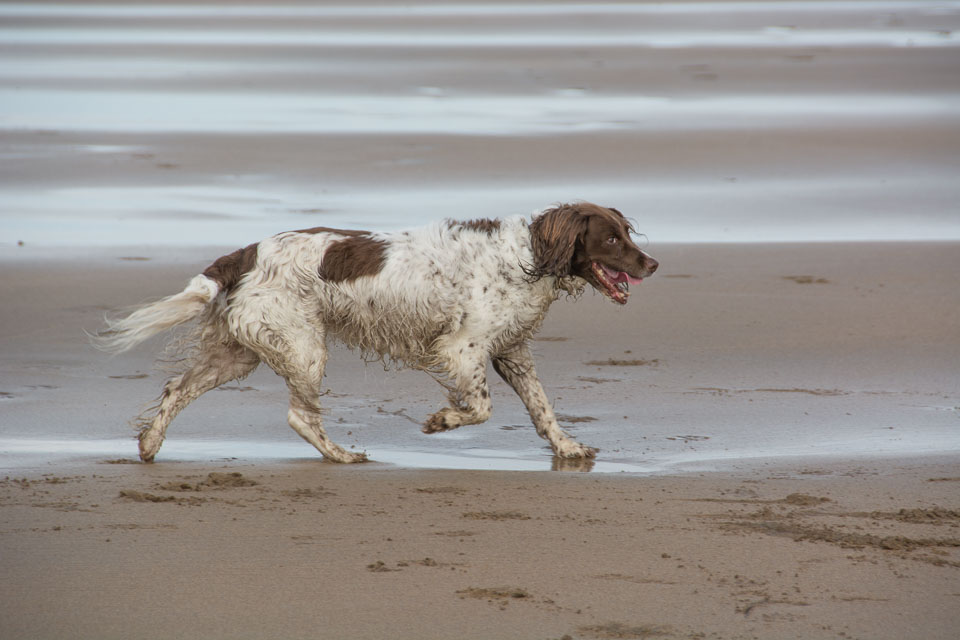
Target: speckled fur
[[447, 299]]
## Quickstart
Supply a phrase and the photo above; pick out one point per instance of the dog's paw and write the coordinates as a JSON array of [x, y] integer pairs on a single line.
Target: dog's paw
[[345, 457], [353, 458], [571, 449], [443, 420], [149, 444]]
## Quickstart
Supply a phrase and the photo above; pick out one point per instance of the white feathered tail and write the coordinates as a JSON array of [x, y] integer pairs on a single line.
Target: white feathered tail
[[156, 317]]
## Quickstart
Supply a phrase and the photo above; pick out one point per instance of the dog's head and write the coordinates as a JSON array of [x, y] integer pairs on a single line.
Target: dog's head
[[590, 242]]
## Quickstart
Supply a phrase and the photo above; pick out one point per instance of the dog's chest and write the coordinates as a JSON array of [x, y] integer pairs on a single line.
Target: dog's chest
[[501, 304]]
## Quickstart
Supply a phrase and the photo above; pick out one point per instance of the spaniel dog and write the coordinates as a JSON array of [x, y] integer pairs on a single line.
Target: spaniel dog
[[445, 298]]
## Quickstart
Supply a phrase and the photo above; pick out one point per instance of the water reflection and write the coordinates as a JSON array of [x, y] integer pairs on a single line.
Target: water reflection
[[32, 453], [476, 9], [250, 113], [764, 37], [584, 465]]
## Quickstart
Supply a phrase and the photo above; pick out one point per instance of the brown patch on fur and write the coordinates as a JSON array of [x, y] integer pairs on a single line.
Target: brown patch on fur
[[227, 270], [353, 257], [483, 225]]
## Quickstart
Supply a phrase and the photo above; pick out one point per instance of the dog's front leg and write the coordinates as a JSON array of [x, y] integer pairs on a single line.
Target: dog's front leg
[[466, 365], [516, 368]]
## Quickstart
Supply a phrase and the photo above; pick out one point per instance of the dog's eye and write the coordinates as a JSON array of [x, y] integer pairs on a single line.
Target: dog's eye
[[612, 240]]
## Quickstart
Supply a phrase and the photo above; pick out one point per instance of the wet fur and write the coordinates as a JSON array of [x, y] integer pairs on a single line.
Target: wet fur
[[447, 299]]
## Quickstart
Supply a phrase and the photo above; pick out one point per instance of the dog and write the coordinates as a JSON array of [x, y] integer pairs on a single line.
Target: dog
[[446, 299]]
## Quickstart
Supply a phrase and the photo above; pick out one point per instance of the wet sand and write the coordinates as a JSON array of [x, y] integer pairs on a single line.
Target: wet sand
[[298, 550], [788, 415], [730, 356]]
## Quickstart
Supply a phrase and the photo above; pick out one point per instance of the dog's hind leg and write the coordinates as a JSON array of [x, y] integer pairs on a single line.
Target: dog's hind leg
[[305, 416], [214, 363], [299, 355], [516, 368]]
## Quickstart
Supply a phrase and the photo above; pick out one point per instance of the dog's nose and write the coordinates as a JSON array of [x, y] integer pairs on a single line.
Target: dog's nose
[[651, 265]]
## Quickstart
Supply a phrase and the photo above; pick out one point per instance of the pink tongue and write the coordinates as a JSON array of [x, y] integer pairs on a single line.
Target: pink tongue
[[620, 276]]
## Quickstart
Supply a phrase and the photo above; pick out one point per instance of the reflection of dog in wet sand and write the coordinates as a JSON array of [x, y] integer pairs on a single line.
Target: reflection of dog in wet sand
[[445, 298]]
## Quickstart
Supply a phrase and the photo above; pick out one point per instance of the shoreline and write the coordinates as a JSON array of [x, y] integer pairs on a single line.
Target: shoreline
[[39, 456]]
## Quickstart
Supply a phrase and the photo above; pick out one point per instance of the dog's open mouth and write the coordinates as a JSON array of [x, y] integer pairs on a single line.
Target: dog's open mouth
[[616, 284]]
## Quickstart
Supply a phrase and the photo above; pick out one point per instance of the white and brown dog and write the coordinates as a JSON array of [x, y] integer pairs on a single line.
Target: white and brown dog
[[445, 298]]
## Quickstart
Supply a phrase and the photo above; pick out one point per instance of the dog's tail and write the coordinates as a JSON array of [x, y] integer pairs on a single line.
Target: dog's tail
[[122, 334]]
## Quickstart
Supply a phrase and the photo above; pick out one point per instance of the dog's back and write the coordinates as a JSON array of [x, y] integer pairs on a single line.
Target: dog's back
[[395, 294]]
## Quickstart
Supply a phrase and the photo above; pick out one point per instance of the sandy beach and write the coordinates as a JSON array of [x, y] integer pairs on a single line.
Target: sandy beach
[[789, 469], [777, 410], [297, 550]]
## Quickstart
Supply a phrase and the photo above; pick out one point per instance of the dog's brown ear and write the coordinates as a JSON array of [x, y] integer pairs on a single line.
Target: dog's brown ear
[[553, 238]]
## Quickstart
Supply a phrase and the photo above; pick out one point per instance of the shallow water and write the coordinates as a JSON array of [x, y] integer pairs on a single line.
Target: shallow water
[[18, 454], [564, 112], [236, 216], [767, 37]]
